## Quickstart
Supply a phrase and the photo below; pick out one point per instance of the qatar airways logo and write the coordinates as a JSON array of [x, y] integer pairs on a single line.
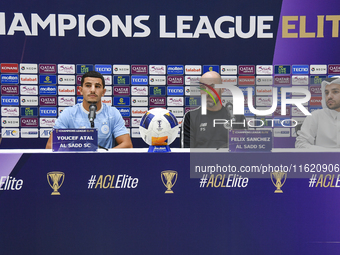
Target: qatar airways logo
[[9, 89], [315, 90], [246, 69], [333, 69], [139, 69], [47, 68], [239, 100], [121, 91], [175, 80]]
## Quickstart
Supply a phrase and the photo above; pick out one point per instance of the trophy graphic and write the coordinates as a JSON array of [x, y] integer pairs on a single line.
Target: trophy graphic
[[168, 179], [56, 178], [278, 177]]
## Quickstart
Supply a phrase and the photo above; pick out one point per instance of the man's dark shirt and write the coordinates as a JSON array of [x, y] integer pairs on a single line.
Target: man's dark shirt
[[198, 130]]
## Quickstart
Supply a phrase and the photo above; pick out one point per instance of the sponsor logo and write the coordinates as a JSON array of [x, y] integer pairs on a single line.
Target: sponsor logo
[[139, 69], [10, 111], [135, 133], [315, 90], [124, 111], [175, 80], [281, 80], [78, 79], [157, 101], [28, 68], [318, 69], [281, 132], [246, 69], [127, 122], [9, 90], [299, 93], [139, 90], [80, 99], [29, 111], [66, 90], [28, 78], [296, 112], [47, 79], [121, 69], [175, 69], [139, 101], [138, 111], [207, 68], [10, 100], [48, 101], [107, 100], [29, 122], [66, 69], [193, 69], [9, 78], [228, 69], [157, 80], [334, 69], [300, 69], [29, 100], [314, 108], [177, 111], [315, 101], [9, 68], [300, 80], [157, 69], [191, 80], [282, 69], [45, 132], [192, 91], [246, 80], [175, 91], [47, 90], [103, 69], [108, 90], [157, 91], [264, 101], [175, 101], [48, 111], [107, 79], [10, 132], [47, 68], [192, 101], [121, 80], [66, 101], [29, 90], [317, 79], [9, 122], [135, 122], [47, 122], [121, 101], [245, 90], [66, 79], [264, 91], [60, 110], [121, 91], [83, 68], [139, 80], [264, 69], [264, 80], [229, 80]]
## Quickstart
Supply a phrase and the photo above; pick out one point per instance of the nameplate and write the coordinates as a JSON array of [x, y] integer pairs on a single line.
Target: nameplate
[[250, 140], [75, 139]]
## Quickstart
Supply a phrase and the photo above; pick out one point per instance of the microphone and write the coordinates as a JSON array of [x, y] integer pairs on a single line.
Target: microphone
[[92, 113], [230, 109]]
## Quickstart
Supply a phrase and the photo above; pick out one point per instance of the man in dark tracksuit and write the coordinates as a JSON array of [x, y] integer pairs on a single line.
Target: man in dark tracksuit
[[198, 130]]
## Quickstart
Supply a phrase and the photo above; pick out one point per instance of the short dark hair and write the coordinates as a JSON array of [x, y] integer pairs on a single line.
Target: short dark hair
[[93, 74]]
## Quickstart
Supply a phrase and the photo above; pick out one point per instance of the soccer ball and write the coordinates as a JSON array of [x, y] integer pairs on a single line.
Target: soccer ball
[[158, 127]]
